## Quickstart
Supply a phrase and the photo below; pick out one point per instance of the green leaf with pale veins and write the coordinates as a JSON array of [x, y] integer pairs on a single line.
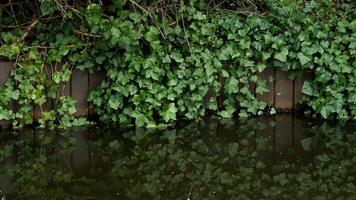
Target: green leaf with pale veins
[[231, 85], [303, 59], [309, 89], [261, 87], [282, 55], [169, 113]]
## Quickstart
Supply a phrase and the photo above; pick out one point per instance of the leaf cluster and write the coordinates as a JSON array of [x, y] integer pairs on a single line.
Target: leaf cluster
[[186, 59]]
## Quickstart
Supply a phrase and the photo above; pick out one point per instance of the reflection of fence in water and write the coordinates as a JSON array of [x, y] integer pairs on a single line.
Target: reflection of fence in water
[[285, 135], [284, 93], [5, 181]]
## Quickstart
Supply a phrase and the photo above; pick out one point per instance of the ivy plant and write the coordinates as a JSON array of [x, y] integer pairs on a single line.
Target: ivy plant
[[166, 61]]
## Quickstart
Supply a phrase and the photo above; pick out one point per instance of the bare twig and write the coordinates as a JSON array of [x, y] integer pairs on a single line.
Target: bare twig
[[85, 34], [27, 31], [149, 14], [14, 26]]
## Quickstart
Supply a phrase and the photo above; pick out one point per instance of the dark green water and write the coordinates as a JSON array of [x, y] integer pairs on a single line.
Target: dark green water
[[281, 158]]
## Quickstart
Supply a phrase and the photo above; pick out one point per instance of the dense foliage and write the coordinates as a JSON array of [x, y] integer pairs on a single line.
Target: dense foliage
[[216, 160], [176, 59]]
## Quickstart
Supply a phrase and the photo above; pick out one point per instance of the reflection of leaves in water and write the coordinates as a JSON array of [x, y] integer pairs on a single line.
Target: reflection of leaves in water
[[306, 143], [206, 161]]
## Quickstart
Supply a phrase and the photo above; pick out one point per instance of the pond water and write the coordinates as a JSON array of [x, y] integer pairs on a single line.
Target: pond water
[[284, 157]]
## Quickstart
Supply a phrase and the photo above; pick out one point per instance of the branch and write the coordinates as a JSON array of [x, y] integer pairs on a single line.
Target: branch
[[28, 29], [149, 14], [85, 34]]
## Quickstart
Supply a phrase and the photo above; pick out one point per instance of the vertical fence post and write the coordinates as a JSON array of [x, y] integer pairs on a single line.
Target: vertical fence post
[[284, 91], [298, 85], [267, 97], [47, 106], [5, 69], [79, 91], [95, 80]]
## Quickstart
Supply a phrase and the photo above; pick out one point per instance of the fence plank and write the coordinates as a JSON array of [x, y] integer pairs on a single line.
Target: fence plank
[[284, 91], [220, 95], [267, 97], [252, 88], [66, 88], [5, 69], [298, 85], [47, 106], [79, 91], [94, 81]]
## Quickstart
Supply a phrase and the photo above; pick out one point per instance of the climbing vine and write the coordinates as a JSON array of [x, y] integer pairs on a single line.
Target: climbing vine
[[182, 59]]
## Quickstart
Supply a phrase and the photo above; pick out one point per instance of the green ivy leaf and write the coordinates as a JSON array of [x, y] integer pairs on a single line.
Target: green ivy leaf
[[115, 102], [309, 89], [199, 16], [231, 85], [115, 34], [48, 7], [282, 55], [140, 120], [326, 111], [261, 87], [261, 67], [307, 143], [303, 59], [152, 34], [169, 113]]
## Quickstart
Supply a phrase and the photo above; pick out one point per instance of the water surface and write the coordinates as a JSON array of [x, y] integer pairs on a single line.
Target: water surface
[[284, 157]]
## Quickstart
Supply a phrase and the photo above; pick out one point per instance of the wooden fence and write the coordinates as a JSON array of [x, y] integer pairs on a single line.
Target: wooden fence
[[284, 93]]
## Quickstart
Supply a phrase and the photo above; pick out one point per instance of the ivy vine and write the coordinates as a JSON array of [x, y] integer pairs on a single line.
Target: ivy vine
[[165, 61]]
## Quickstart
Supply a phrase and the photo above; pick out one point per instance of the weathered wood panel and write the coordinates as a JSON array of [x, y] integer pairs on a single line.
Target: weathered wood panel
[[66, 89], [5, 68], [79, 91], [283, 91], [47, 106], [267, 97], [298, 85], [94, 81], [220, 95], [252, 88], [221, 80]]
